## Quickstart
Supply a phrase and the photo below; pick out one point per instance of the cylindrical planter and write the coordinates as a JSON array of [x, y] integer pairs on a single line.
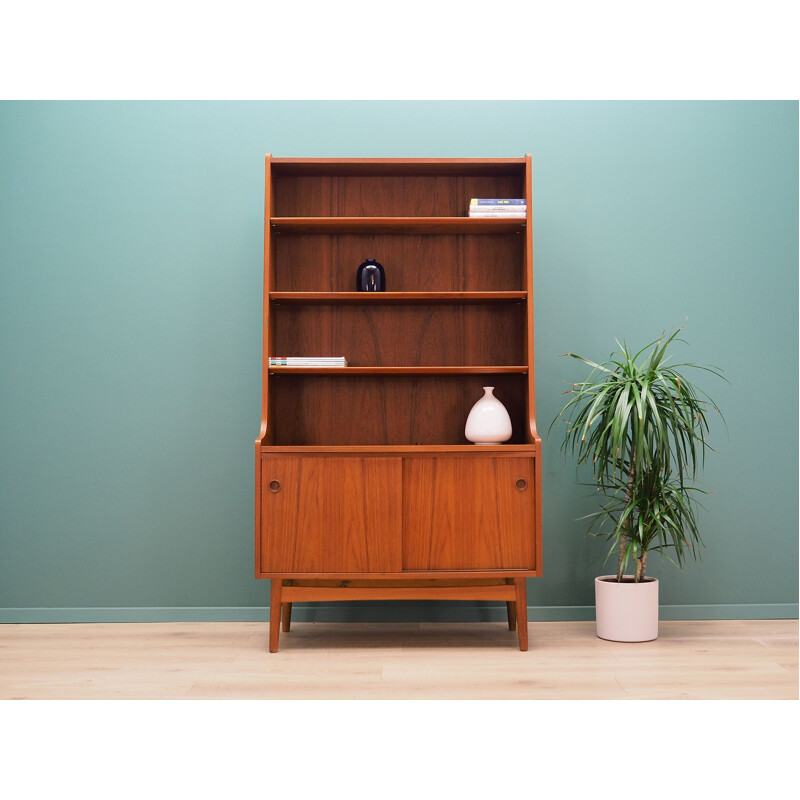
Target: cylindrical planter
[[627, 611]]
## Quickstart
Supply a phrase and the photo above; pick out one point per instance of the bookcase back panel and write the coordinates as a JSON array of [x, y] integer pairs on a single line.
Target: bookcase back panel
[[413, 263], [387, 196], [396, 410], [397, 335]]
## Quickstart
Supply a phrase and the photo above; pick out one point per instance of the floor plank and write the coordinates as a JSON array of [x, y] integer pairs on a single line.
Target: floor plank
[[697, 659]]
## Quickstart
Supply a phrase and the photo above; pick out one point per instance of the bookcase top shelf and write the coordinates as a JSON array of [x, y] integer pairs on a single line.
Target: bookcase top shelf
[[397, 166], [397, 225], [309, 298], [449, 370]]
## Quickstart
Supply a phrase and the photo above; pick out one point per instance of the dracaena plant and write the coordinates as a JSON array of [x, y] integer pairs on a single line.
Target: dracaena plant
[[642, 426]]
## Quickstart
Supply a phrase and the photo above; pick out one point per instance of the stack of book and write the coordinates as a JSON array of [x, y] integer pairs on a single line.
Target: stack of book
[[307, 361], [497, 207]]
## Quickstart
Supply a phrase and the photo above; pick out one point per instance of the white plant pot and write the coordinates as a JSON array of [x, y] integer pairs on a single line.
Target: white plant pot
[[627, 611], [488, 421]]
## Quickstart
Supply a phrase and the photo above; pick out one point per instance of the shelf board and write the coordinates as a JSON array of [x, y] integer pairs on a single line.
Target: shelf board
[[398, 225], [333, 298], [418, 449], [339, 371], [457, 167]]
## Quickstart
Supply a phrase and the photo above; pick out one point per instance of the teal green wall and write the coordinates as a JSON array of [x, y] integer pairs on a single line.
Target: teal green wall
[[130, 312]]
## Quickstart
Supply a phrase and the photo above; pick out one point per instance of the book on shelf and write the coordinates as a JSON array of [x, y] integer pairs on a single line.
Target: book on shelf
[[507, 215], [497, 201], [497, 207], [307, 361]]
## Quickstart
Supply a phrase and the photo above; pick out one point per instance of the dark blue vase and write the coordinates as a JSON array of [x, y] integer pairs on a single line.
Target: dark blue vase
[[371, 277]]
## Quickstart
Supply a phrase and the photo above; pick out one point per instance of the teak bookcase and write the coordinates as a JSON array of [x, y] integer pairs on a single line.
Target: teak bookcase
[[366, 487]]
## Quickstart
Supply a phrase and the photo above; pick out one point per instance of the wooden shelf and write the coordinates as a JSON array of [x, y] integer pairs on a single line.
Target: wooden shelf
[[418, 449], [372, 167], [319, 298], [339, 371], [397, 225]]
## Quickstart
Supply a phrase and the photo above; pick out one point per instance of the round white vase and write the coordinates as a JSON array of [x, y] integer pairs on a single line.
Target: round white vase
[[488, 421]]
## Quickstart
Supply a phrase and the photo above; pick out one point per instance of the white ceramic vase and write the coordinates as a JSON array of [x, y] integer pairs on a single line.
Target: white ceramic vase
[[627, 611], [488, 421]]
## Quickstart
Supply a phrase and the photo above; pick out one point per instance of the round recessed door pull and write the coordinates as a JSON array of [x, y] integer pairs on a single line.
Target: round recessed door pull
[[522, 485], [274, 486]]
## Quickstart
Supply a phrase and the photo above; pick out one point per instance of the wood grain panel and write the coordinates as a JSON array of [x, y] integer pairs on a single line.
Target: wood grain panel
[[468, 513], [397, 335], [299, 594], [388, 195], [445, 263], [392, 410], [331, 514]]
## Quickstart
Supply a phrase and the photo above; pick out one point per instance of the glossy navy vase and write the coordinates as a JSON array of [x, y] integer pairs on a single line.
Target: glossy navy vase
[[371, 277]]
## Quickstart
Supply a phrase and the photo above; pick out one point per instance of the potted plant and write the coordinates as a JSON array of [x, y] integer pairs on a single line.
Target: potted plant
[[641, 425]]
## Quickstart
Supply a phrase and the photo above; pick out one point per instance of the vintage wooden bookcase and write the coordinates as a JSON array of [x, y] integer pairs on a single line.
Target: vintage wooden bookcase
[[366, 487]]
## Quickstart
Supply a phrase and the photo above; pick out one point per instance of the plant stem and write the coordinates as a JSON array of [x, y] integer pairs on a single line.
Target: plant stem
[[623, 539], [641, 564]]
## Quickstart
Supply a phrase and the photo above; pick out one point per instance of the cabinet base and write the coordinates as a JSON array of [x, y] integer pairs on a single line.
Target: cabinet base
[[284, 592]]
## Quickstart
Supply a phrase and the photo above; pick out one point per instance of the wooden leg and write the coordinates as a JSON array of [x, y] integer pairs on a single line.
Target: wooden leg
[[286, 615], [521, 587], [511, 608], [275, 614]]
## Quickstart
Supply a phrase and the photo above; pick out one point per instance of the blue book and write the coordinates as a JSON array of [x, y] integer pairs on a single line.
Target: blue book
[[509, 201]]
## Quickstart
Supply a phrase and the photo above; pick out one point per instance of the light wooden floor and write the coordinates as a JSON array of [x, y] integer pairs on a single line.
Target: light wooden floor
[[690, 659]]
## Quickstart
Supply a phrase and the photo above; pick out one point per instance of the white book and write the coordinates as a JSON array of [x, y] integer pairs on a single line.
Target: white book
[[501, 209], [497, 201], [309, 361], [516, 215], [500, 213]]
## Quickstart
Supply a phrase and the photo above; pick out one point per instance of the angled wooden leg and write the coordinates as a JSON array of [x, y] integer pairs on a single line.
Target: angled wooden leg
[[286, 615], [275, 613], [521, 587], [511, 610]]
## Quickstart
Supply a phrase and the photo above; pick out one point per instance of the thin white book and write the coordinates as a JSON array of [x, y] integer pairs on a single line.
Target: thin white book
[[307, 361], [515, 215], [486, 210], [498, 209]]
